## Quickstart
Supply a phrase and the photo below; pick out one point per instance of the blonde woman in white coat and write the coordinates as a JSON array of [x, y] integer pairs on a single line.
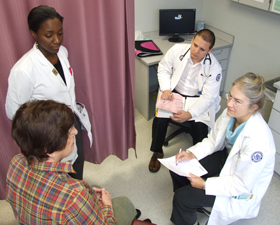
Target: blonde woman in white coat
[[44, 72], [239, 155]]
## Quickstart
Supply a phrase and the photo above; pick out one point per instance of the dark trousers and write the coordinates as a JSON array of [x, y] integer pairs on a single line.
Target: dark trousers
[[78, 165], [197, 130], [188, 199]]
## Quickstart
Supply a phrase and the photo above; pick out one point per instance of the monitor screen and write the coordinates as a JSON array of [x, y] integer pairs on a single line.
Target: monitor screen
[[176, 22]]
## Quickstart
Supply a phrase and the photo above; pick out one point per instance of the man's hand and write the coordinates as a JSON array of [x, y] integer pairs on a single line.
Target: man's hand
[[196, 182], [181, 116], [167, 94]]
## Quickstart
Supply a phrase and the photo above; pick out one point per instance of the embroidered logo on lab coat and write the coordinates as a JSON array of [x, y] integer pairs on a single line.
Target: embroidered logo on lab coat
[[257, 156], [218, 77]]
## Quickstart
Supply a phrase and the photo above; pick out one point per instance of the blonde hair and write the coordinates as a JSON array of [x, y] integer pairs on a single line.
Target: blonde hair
[[253, 87]]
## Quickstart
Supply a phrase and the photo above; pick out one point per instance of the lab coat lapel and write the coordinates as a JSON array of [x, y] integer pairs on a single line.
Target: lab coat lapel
[[221, 134], [68, 71], [45, 66], [48, 68], [200, 80], [179, 67]]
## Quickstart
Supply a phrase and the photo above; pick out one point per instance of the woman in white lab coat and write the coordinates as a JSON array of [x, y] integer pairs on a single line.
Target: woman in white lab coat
[[44, 73], [239, 155]]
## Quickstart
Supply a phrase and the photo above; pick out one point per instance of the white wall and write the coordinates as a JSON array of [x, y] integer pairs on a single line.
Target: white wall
[[147, 11], [257, 33], [257, 38]]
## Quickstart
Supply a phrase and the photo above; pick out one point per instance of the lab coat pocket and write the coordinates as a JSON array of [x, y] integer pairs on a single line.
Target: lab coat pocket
[[238, 208]]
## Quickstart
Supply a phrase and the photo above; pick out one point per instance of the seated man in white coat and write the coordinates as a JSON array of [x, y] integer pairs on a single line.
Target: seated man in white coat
[[192, 71]]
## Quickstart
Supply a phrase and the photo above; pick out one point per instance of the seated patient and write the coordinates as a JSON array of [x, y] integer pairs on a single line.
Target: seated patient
[[239, 156], [39, 188]]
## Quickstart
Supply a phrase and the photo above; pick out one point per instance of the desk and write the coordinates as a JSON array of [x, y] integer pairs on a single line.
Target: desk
[[145, 98]]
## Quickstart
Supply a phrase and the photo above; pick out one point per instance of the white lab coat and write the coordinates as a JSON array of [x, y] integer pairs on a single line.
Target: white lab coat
[[32, 77], [240, 174], [170, 70]]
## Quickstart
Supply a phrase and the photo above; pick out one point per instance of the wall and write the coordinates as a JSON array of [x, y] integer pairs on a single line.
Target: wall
[[147, 11], [256, 47], [256, 44]]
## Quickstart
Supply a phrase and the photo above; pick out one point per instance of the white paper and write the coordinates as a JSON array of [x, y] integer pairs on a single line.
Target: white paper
[[185, 167], [189, 103], [160, 113]]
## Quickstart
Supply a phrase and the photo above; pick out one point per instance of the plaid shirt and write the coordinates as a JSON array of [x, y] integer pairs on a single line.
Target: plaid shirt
[[43, 193]]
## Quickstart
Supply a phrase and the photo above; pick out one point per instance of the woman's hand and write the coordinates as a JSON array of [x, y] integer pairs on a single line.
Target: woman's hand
[[183, 155], [103, 196], [98, 192], [196, 182], [181, 116]]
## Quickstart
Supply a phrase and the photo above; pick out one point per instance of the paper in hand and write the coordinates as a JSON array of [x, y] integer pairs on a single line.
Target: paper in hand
[[183, 168]]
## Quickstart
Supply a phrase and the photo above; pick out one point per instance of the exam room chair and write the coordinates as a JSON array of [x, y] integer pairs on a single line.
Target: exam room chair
[[206, 211], [182, 127]]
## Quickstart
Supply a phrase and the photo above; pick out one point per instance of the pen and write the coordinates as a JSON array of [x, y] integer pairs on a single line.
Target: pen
[[179, 152], [165, 100]]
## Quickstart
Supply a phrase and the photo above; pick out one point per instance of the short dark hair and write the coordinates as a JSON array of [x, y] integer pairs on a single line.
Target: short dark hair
[[38, 15], [207, 35], [40, 127]]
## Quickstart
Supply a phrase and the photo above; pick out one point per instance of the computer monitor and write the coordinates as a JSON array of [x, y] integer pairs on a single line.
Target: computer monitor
[[176, 22]]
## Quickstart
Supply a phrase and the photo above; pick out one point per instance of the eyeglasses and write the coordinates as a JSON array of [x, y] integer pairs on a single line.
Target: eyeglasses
[[236, 102]]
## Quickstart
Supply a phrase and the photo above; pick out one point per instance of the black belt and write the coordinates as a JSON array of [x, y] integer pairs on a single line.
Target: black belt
[[186, 96]]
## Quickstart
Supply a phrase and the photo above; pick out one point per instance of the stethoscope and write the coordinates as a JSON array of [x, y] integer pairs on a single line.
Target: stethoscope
[[207, 58]]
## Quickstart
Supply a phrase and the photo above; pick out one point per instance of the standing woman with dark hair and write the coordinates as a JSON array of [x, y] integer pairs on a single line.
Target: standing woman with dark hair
[[44, 72], [239, 155]]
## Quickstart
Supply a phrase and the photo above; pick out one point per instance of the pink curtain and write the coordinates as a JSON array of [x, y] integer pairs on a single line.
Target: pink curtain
[[99, 36]]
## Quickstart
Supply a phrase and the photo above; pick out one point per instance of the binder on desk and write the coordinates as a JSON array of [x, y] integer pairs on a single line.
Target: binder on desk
[[145, 48]]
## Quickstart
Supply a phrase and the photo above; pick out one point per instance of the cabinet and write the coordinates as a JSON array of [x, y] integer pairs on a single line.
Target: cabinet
[[275, 6], [274, 124], [222, 56], [261, 4], [267, 5]]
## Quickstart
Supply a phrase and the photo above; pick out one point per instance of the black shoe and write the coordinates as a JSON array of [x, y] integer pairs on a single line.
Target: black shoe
[[138, 214], [147, 220]]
